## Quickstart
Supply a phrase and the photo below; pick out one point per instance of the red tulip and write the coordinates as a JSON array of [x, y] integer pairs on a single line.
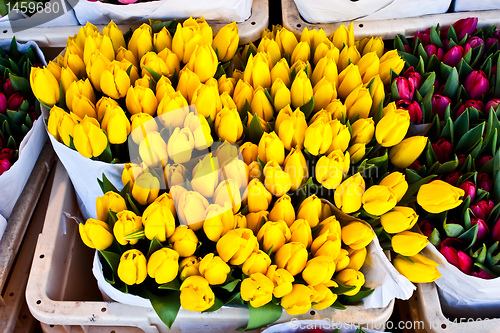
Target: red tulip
[[413, 109], [424, 36], [461, 160], [453, 242], [6, 154], [489, 42], [3, 103], [465, 26], [14, 102], [478, 105], [405, 89], [484, 182], [482, 161], [469, 189], [491, 104], [415, 165], [482, 209], [4, 166], [439, 104], [434, 50], [458, 259], [482, 274], [476, 84], [426, 227], [443, 150], [495, 232], [407, 48], [414, 78], [7, 88], [482, 228], [453, 178], [453, 56]]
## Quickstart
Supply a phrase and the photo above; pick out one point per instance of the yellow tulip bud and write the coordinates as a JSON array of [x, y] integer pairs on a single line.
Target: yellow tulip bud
[[281, 70], [61, 125], [237, 74], [336, 109], [282, 281], [318, 137], [96, 234], [124, 54], [397, 183], [189, 267], [261, 106], [420, 270], [357, 235], [158, 222], [249, 152], [258, 196], [226, 42], [328, 242], [390, 60], [368, 66], [348, 195], [374, 44], [219, 220], [258, 262], [87, 30], [97, 65], [292, 129], [228, 125], [191, 209], [377, 93], [342, 260], [73, 59], [295, 165], [326, 49], [326, 210], [292, 257], [174, 174], [188, 83], [408, 243], [67, 78], [324, 93], [286, 41], [226, 84], [271, 47], [237, 245], [227, 101], [349, 79], [101, 43], [180, 145], [132, 268], [196, 294], [141, 41], [357, 152], [153, 151], [438, 196], [283, 210], [110, 201], [82, 106], [243, 92], [184, 241], [163, 265], [240, 221], [399, 220], [300, 231], [88, 138], [258, 71], [130, 172], [356, 259], [341, 136], [186, 38], [378, 200], [162, 40], [321, 114], [273, 235], [128, 222], [257, 289], [343, 36], [323, 297], [116, 124], [331, 169], [200, 129], [146, 189], [392, 128], [298, 301], [145, 123], [348, 55], [115, 81], [271, 148], [44, 85], [280, 94], [327, 69], [228, 193], [358, 103], [301, 52], [116, 36], [256, 220], [214, 269], [351, 277], [407, 151], [203, 62], [153, 62], [83, 88], [318, 270], [301, 90], [362, 130], [277, 181]]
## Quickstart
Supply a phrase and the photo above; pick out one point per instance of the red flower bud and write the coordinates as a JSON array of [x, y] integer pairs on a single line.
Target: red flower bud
[[492, 104], [4, 166], [3, 103], [484, 182], [495, 232], [469, 189], [474, 42], [415, 165], [439, 104], [453, 242], [482, 274], [465, 26], [434, 50], [424, 36], [405, 90], [14, 102], [452, 178], [414, 78], [458, 259], [482, 228], [453, 56], [489, 42], [461, 160], [476, 84], [478, 105], [6, 154], [443, 150], [407, 48], [7, 88], [426, 227], [482, 161], [482, 209], [413, 109]]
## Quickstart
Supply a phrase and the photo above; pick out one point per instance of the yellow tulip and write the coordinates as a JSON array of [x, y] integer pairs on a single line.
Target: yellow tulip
[[349, 79], [348, 55], [101, 43], [226, 84], [301, 52], [240, 221], [318, 137], [295, 165], [67, 78], [292, 129], [343, 36], [237, 75], [321, 114], [180, 145], [257, 289], [237, 245], [351, 277], [82, 106], [226, 42], [273, 235], [96, 234], [73, 59], [153, 62], [362, 130], [89, 139], [162, 40], [83, 88], [261, 106], [271, 47], [227, 101], [62, 124], [214, 269], [256, 220], [298, 301], [397, 183], [163, 265], [271, 148], [331, 169], [184, 241], [198, 125], [336, 109], [44, 85], [174, 174], [87, 30], [141, 41], [341, 136], [132, 268], [378, 200], [146, 189], [130, 172], [356, 258], [189, 267], [357, 235], [258, 262], [125, 54], [258, 71], [258, 196], [158, 221], [280, 94], [420, 270], [374, 44], [249, 152], [358, 103], [390, 60], [243, 92], [407, 151], [196, 294], [328, 242], [377, 93], [283, 210], [342, 260], [368, 66], [140, 99], [191, 208], [115, 81], [188, 83], [326, 68], [282, 281], [300, 231], [153, 150], [187, 36], [438, 196], [110, 201], [116, 36], [301, 90], [392, 128], [326, 49], [399, 220], [219, 220], [116, 124], [323, 297], [324, 93], [203, 62], [228, 125], [348, 195], [103, 105], [408, 243], [281, 70], [207, 100], [128, 222], [326, 210], [286, 41], [357, 152], [292, 257], [318, 270]]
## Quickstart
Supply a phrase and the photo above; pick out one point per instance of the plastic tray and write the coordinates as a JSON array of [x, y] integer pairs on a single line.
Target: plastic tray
[[63, 295], [425, 310], [249, 30], [386, 29], [14, 313]]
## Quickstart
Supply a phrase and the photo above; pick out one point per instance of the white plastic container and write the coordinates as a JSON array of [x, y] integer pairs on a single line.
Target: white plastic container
[[467, 5], [250, 29], [62, 292], [386, 29]]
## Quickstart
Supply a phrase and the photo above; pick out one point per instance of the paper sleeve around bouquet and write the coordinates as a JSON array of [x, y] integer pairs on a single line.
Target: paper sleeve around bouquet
[[218, 10], [17, 19], [12, 182]]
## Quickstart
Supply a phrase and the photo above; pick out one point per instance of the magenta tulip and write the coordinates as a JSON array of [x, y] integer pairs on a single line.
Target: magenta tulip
[[482, 161], [6, 154], [405, 89], [458, 259], [453, 242], [453, 178], [434, 50], [476, 84], [3, 103], [478, 105], [414, 78], [469, 189], [4, 166], [482, 228], [495, 232], [484, 182], [413, 109], [8, 90], [492, 104], [439, 104], [424, 36], [465, 26], [453, 56], [482, 274], [426, 227], [482, 209], [443, 150], [14, 102]]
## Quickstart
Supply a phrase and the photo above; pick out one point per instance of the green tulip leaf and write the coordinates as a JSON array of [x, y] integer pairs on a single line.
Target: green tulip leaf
[[435, 238], [470, 236], [308, 108], [244, 112], [262, 316], [445, 70], [448, 131], [412, 176], [421, 52], [465, 69], [447, 167], [166, 306], [112, 259], [131, 204], [25, 129], [427, 106], [452, 83], [16, 116], [106, 185], [398, 43], [486, 269], [413, 189], [496, 187], [342, 288], [497, 80], [468, 57], [433, 64], [430, 156], [255, 130], [172, 285], [15, 68], [20, 84], [421, 64], [453, 230], [231, 286], [14, 51], [452, 34], [490, 145], [410, 59], [476, 149], [337, 305], [156, 76], [394, 91], [481, 258], [154, 246], [218, 303], [362, 293], [469, 139]]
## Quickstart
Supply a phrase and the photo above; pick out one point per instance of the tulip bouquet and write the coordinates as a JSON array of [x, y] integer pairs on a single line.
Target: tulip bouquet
[[17, 103]]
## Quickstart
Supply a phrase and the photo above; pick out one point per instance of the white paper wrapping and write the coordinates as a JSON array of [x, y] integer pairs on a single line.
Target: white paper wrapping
[[463, 295], [3, 225], [65, 19], [214, 10], [12, 181], [327, 11], [467, 5]]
